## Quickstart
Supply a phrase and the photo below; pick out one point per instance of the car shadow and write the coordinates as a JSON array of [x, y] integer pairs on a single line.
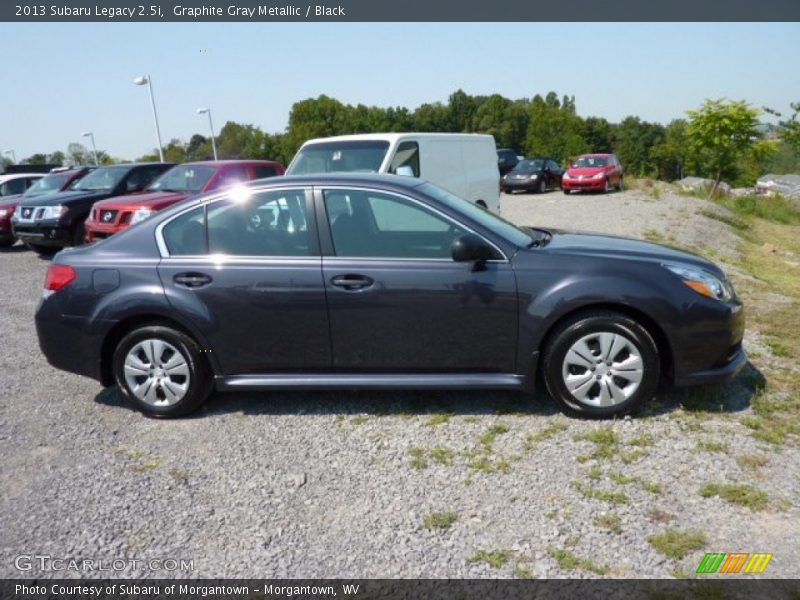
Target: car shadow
[[16, 248], [731, 397]]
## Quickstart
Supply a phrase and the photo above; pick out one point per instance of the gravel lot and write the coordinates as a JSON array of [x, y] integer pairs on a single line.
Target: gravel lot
[[341, 484]]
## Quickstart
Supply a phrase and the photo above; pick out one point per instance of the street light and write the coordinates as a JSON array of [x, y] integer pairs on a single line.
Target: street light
[[90, 135], [13, 155], [147, 80], [202, 111]]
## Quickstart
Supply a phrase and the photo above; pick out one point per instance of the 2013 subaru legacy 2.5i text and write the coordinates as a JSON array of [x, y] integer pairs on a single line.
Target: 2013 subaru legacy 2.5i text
[[381, 281]]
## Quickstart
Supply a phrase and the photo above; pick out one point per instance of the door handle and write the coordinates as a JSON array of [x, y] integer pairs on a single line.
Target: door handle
[[352, 282], [192, 280]]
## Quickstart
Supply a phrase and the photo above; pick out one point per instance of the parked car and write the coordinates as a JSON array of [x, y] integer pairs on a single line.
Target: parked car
[[535, 174], [58, 180], [464, 164], [15, 184], [507, 159], [49, 223], [593, 172], [378, 281], [111, 216]]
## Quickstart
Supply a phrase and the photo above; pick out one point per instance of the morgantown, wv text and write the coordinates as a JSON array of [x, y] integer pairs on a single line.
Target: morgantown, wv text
[[181, 589]]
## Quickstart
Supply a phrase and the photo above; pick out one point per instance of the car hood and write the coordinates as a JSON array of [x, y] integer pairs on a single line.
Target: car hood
[[585, 171], [587, 243], [64, 198], [152, 200]]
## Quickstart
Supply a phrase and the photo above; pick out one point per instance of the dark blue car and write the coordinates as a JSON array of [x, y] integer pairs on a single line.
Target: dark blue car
[[381, 282]]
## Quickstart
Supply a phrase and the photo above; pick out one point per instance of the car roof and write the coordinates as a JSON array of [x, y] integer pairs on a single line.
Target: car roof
[[10, 176], [382, 179], [391, 137], [137, 164], [232, 161], [603, 154]]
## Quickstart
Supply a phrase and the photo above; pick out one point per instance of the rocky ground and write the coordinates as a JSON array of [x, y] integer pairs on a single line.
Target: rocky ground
[[373, 484]]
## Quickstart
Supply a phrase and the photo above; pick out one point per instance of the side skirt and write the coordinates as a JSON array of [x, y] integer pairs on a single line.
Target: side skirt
[[421, 381]]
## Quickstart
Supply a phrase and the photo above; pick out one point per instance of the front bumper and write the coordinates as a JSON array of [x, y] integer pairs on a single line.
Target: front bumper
[[583, 184], [43, 233], [728, 371], [96, 230]]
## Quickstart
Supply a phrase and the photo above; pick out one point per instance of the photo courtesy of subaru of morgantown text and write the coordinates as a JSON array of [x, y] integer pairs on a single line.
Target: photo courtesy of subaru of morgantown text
[[386, 310]]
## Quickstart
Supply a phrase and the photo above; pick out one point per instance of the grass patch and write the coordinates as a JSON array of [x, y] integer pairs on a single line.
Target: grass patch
[[651, 235], [438, 419], [737, 493], [442, 455], [606, 444], [620, 478], [567, 561], [731, 220], [776, 209], [610, 522], [660, 516], [751, 462], [594, 473], [521, 572], [147, 465], [487, 439], [551, 430], [418, 460], [485, 465], [675, 543], [652, 487], [495, 559], [713, 446], [641, 441], [603, 496], [631, 456], [440, 520], [179, 475], [359, 420]]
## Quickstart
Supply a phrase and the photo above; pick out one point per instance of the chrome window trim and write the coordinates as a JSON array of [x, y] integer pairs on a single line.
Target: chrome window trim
[[414, 200], [217, 197]]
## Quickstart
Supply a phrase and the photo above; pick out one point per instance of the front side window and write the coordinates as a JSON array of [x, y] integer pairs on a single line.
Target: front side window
[[368, 224], [407, 155], [269, 223], [358, 156]]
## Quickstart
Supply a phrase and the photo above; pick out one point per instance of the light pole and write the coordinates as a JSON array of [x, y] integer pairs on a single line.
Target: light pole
[[90, 135], [147, 80], [13, 155], [201, 111]]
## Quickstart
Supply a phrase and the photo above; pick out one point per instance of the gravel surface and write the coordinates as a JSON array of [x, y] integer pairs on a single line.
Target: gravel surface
[[344, 484]]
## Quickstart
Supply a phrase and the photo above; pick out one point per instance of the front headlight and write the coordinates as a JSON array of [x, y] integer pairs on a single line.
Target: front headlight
[[566, 175], [534, 177], [140, 214], [703, 282], [600, 175], [3, 212], [53, 212]]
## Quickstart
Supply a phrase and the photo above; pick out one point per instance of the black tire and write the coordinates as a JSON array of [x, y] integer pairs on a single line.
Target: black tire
[[621, 185], [606, 186], [7, 243], [200, 379], [542, 187], [566, 192], [42, 250], [582, 326]]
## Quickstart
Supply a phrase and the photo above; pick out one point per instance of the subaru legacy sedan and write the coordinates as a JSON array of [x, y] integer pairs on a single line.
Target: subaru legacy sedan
[[381, 281]]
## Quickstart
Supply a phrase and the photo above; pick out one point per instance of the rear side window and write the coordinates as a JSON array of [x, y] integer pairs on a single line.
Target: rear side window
[[407, 155], [186, 234]]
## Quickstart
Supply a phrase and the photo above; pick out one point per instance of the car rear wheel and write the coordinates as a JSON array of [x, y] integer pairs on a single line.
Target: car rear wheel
[[601, 364], [162, 371]]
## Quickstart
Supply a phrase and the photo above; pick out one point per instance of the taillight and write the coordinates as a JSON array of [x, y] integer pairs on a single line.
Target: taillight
[[58, 277]]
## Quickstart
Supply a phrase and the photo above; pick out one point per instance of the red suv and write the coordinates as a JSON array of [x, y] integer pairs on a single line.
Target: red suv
[[111, 216], [593, 172]]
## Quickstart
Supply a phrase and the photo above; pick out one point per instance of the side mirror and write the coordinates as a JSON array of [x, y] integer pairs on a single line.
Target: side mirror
[[471, 247], [405, 170]]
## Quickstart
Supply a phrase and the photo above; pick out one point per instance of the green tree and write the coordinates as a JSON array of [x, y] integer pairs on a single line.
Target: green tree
[[36, 159], [672, 156], [433, 117], [721, 132], [634, 140], [598, 134], [554, 130]]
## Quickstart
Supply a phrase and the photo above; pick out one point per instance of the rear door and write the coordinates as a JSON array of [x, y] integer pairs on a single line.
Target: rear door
[[247, 271], [398, 302]]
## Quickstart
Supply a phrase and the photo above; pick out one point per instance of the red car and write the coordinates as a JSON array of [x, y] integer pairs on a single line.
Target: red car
[[593, 172], [111, 216], [58, 180]]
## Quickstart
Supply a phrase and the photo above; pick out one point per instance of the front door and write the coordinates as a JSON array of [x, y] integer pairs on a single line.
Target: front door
[[246, 271], [397, 302]]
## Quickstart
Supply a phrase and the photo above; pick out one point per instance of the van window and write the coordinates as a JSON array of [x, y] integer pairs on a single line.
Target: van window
[[407, 155], [358, 156]]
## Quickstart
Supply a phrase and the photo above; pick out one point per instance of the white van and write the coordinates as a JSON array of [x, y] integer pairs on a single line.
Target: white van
[[462, 163]]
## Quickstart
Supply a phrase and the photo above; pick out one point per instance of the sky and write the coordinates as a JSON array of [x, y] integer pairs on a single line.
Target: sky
[[61, 79]]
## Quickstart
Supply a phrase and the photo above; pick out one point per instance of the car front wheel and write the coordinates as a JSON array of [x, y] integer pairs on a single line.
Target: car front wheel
[[162, 371], [601, 364]]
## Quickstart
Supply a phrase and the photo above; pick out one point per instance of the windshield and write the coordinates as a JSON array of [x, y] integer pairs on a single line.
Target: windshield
[[590, 162], [489, 220], [336, 157], [185, 178], [105, 179], [529, 166], [49, 184]]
